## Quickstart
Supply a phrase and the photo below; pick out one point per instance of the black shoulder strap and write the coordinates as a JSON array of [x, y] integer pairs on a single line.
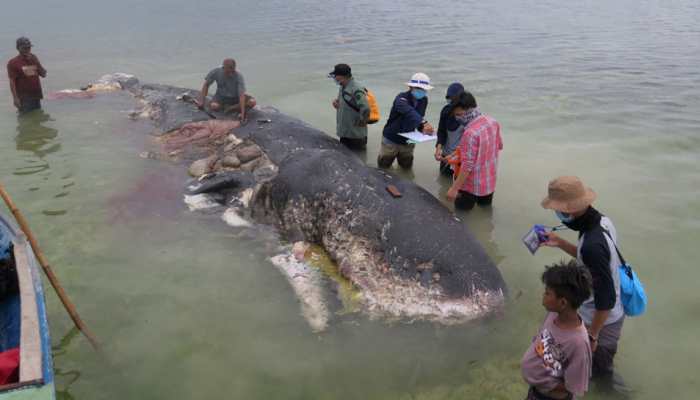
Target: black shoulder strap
[[615, 244], [352, 105]]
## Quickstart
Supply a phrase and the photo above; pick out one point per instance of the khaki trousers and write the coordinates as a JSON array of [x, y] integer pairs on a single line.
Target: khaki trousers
[[403, 153]]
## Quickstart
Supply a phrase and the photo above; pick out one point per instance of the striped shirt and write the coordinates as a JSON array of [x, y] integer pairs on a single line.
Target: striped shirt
[[479, 149]]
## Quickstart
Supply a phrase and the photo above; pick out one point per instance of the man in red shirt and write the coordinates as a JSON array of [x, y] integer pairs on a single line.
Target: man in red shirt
[[478, 156], [23, 72]]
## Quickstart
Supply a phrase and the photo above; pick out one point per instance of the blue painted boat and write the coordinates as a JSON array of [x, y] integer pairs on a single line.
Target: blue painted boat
[[23, 323]]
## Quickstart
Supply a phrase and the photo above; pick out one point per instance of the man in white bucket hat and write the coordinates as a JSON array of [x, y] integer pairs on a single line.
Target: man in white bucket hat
[[406, 115]]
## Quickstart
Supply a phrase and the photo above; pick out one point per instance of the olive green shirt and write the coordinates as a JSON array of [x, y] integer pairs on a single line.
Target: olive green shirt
[[351, 119]]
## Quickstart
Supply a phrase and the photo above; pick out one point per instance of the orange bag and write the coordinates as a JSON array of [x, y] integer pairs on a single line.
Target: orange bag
[[455, 160], [373, 107]]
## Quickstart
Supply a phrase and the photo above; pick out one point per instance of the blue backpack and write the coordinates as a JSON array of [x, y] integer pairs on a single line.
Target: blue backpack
[[632, 295]]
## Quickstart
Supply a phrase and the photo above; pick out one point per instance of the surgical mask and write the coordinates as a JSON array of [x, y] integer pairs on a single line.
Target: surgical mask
[[463, 119], [564, 217], [418, 93]]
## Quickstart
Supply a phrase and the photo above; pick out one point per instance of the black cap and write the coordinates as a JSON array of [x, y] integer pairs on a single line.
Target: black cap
[[454, 89], [23, 42], [341, 70]]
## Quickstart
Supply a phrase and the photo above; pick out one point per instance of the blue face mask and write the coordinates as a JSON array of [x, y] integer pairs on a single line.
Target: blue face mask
[[418, 93], [564, 217]]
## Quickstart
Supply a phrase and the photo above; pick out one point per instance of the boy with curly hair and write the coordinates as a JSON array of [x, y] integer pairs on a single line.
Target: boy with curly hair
[[558, 363]]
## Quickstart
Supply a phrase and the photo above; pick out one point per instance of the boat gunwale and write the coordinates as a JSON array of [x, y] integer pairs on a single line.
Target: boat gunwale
[[21, 385]]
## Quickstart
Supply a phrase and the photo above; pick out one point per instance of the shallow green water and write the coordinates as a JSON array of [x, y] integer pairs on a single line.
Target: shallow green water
[[189, 308]]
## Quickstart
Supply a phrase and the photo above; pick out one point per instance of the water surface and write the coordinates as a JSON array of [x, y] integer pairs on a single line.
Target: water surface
[[190, 308]]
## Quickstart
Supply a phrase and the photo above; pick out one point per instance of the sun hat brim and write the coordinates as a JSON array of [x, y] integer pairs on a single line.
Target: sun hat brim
[[423, 86], [570, 206]]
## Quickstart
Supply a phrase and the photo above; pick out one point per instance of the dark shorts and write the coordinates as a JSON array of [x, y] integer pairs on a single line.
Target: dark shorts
[[446, 169], [27, 105], [466, 201], [354, 143], [228, 101], [534, 394]]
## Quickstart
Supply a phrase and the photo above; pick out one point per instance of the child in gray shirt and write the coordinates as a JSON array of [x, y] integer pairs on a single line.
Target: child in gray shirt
[[558, 363]]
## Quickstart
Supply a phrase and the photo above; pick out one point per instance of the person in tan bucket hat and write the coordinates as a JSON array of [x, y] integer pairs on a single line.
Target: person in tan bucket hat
[[602, 314], [568, 195]]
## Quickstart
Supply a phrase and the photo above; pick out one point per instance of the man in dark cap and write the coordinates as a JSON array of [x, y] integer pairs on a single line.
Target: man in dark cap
[[448, 127], [352, 108], [23, 72]]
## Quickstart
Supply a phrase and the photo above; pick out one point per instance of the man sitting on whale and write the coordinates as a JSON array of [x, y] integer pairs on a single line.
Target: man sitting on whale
[[230, 90]]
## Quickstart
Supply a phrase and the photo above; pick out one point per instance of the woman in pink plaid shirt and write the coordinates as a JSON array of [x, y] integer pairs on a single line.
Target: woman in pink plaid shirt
[[478, 153]]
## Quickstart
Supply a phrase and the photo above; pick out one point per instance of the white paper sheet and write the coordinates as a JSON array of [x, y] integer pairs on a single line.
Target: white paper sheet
[[418, 137]]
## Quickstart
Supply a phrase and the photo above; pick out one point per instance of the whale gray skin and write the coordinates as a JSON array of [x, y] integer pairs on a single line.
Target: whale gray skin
[[410, 257], [222, 181], [324, 194]]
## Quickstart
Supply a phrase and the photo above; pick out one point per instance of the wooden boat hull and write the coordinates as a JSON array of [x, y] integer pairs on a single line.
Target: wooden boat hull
[[28, 310]]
